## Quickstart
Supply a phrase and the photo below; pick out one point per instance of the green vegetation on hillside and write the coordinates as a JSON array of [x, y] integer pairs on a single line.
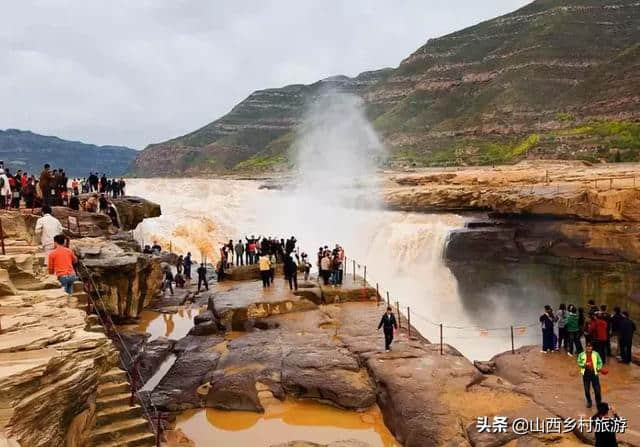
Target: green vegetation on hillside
[[481, 95], [506, 153]]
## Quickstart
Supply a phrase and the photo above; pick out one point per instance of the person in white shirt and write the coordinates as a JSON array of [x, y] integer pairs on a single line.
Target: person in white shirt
[[47, 227], [5, 190]]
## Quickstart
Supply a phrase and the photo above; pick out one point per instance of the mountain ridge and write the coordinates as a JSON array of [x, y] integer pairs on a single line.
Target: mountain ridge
[[27, 150], [553, 79]]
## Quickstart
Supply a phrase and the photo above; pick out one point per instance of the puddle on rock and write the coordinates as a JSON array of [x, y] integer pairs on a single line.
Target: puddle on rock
[[291, 420], [170, 325]]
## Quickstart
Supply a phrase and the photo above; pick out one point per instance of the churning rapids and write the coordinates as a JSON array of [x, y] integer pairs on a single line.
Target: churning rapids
[[402, 251]]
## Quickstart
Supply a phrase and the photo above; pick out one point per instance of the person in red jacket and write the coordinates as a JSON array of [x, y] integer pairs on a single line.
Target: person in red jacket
[[598, 330]]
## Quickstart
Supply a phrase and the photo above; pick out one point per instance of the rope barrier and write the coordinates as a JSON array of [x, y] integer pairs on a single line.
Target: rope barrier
[[111, 327], [425, 319]]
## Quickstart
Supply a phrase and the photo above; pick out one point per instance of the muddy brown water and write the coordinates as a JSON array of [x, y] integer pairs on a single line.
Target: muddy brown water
[[286, 421], [171, 325]]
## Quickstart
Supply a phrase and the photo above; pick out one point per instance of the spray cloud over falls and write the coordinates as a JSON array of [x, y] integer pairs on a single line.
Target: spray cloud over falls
[[337, 150]]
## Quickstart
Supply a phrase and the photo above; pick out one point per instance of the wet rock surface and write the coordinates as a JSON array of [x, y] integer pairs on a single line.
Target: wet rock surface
[[333, 354], [328, 373], [345, 443], [154, 353], [178, 389], [428, 398], [539, 375]]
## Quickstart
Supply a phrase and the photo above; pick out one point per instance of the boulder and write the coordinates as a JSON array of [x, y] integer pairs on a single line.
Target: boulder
[[233, 392], [19, 225], [133, 210], [127, 281], [206, 323], [205, 328], [82, 223], [6, 285], [27, 273], [178, 389], [327, 373], [485, 367]]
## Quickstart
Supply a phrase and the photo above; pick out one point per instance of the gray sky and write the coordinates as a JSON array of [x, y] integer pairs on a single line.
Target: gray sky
[[134, 72]]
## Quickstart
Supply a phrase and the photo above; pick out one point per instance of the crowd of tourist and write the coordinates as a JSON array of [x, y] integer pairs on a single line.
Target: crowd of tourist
[[266, 252], [52, 187], [566, 328], [331, 265], [569, 326]]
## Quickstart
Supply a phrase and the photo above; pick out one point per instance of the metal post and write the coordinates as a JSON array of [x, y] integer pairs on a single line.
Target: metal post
[[398, 312], [441, 351], [513, 351], [2, 237], [377, 294], [157, 428], [354, 270], [388, 298], [365, 275], [409, 321]]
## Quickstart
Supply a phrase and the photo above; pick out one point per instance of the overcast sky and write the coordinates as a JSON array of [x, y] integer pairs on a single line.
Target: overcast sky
[[134, 72]]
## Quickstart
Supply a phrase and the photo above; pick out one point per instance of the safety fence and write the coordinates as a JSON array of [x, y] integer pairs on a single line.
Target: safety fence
[[129, 364], [444, 331], [551, 187]]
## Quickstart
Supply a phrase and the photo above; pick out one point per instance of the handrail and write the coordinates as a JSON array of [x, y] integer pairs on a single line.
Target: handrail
[[110, 327]]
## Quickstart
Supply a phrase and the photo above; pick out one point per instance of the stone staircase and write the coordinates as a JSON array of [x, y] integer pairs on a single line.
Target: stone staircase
[[116, 422]]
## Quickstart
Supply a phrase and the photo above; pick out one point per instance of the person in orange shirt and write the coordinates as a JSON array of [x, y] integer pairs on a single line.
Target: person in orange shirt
[[61, 260]]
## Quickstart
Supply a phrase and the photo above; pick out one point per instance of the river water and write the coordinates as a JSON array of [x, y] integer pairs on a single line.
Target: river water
[[401, 250]]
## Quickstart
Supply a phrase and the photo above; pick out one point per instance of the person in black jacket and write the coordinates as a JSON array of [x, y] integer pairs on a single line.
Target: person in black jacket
[[388, 324], [626, 329], [202, 277], [614, 329], [604, 430], [291, 272], [187, 265]]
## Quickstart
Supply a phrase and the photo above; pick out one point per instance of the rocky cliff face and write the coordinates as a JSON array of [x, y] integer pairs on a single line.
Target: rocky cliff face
[[50, 365], [550, 80], [127, 280]]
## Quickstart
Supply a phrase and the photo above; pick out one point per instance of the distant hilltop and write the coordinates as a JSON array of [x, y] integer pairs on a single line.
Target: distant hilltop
[[554, 79], [23, 149]]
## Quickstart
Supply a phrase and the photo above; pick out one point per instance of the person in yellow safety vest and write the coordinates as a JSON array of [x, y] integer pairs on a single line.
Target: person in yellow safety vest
[[265, 269], [590, 364]]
